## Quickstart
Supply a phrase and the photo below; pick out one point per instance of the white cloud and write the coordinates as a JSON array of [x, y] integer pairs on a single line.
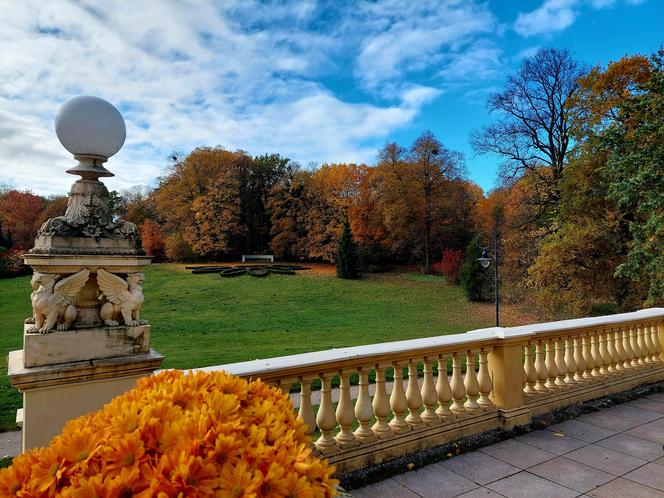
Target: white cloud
[[406, 37], [550, 17], [554, 16]]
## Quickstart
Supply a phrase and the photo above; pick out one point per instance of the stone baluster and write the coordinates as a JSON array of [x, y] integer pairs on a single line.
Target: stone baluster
[[647, 341], [620, 351], [325, 418], [636, 352], [604, 354], [458, 388], [363, 409], [627, 346], [611, 351], [443, 389], [381, 405], [306, 412], [588, 357], [398, 402], [540, 368], [551, 367], [657, 344], [561, 366], [345, 413], [529, 370], [413, 396], [597, 357], [569, 360], [640, 344], [484, 380], [579, 360], [428, 393], [471, 384]]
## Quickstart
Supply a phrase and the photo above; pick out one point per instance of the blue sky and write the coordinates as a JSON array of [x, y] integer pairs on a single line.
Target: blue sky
[[314, 81]]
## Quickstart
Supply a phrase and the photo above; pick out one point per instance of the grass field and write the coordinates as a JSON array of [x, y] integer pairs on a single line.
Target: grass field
[[201, 320]]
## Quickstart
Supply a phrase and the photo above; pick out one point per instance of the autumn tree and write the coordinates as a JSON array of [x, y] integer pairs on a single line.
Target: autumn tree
[[218, 226], [19, 214], [137, 204], [534, 118], [575, 267], [597, 232], [418, 189], [188, 178], [152, 239], [287, 204], [54, 206], [635, 145]]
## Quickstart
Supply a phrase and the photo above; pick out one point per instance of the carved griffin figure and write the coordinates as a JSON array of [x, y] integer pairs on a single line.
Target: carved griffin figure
[[123, 298], [53, 303]]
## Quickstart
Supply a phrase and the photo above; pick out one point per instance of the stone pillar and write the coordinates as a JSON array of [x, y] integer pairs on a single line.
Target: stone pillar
[[85, 342], [507, 373]]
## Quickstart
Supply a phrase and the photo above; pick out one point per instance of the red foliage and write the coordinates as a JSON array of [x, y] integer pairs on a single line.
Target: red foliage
[[450, 264], [19, 212], [152, 238]]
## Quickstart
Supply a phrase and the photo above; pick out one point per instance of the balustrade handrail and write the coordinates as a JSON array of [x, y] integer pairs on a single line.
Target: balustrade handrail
[[356, 356]]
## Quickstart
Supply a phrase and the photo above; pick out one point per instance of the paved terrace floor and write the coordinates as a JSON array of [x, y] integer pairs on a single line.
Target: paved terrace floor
[[616, 452]]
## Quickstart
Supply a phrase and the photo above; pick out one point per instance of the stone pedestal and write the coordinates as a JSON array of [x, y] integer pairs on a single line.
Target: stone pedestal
[[86, 341], [83, 344], [55, 394]]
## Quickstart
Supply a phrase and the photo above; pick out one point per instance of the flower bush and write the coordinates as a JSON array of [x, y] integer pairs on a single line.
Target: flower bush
[[180, 435]]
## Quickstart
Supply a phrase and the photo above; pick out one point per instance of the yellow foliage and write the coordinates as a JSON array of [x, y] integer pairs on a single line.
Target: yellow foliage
[[179, 435]]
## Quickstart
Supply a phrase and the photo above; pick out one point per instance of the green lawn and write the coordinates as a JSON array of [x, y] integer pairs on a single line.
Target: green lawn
[[201, 320]]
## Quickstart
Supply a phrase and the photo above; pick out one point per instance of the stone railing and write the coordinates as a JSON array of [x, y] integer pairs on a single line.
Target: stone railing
[[500, 377]]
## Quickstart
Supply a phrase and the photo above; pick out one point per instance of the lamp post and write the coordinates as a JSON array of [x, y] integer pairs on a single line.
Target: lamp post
[[485, 261]]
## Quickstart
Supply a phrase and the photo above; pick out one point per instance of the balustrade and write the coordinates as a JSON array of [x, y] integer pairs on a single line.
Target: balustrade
[[551, 366]]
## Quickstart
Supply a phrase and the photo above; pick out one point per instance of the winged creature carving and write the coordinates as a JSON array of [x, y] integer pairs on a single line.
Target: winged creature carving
[[53, 300], [124, 298]]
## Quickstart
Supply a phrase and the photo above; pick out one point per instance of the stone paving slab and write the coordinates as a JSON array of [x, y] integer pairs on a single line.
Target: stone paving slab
[[581, 430], [612, 453], [480, 467], [571, 474], [623, 488], [518, 454], [554, 442], [10, 444], [605, 459], [527, 485], [634, 446], [435, 481]]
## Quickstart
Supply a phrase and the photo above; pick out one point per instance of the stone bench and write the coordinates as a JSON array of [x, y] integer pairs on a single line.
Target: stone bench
[[258, 257]]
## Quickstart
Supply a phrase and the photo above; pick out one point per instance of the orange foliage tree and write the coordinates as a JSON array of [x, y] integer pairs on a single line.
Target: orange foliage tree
[[19, 214], [152, 239]]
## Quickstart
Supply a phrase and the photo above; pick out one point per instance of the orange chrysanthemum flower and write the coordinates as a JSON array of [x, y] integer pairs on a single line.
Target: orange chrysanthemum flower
[[179, 434]]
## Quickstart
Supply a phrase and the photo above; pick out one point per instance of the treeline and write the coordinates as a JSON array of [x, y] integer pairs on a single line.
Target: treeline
[[217, 204]]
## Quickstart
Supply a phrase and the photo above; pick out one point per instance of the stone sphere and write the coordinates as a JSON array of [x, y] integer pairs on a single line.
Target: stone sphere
[[90, 126]]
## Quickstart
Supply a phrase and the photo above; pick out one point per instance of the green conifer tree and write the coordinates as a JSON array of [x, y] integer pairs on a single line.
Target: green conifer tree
[[348, 260], [473, 278]]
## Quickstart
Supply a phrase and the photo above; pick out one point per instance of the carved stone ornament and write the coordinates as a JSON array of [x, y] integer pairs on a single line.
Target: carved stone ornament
[[53, 303], [121, 298], [89, 215]]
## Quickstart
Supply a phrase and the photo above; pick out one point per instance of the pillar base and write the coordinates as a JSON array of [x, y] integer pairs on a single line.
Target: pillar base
[[76, 345], [55, 394], [509, 419]]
